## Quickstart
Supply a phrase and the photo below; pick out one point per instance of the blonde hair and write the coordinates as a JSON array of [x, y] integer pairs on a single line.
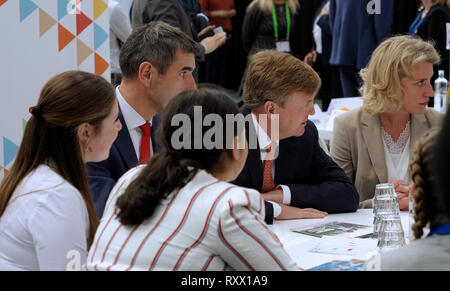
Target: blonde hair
[[266, 5], [393, 60], [274, 76], [421, 169]]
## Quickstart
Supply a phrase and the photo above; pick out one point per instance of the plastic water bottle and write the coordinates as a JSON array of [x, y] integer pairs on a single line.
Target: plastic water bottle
[[440, 93]]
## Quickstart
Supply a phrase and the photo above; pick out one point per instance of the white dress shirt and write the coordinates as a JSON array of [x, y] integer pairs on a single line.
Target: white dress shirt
[[44, 221], [264, 142], [120, 30], [206, 225], [133, 120]]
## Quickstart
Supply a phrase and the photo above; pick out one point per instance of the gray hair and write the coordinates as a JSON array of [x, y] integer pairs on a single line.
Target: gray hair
[[157, 43]]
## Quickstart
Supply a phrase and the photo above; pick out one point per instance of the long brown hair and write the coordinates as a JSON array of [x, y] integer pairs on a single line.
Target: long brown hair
[[169, 170], [66, 101], [421, 170]]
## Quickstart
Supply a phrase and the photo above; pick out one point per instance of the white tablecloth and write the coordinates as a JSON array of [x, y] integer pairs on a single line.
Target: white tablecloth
[[298, 245]]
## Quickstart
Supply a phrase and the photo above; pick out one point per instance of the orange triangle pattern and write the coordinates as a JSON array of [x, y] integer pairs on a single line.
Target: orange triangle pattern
[[3, 2], [65, 37], [45, 22], [100, 65]]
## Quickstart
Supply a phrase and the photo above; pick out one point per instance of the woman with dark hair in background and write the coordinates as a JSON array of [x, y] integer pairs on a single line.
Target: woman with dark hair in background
[[46, 208], [180, 212]]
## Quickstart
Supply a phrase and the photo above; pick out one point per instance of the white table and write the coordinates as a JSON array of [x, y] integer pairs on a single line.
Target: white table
[[298, 245]]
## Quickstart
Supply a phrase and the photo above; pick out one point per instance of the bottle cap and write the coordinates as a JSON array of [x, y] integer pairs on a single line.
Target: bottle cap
[[441, 73]]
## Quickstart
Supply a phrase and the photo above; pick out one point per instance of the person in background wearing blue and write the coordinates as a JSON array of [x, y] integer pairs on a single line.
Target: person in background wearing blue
[[430, 24], [357, 29], [320, 55]]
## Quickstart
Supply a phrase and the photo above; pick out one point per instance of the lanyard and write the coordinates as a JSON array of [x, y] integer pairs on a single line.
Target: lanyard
[[275, 22], [181, 2], [416, 24], [441, 229]]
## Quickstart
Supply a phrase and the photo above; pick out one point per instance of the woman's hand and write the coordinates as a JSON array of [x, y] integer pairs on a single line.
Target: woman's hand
[[402, 190]]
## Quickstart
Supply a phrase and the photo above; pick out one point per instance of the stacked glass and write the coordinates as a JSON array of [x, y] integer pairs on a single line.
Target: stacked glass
[[387, 225]]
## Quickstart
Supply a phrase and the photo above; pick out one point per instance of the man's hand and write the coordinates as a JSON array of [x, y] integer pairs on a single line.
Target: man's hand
[[275, 196], [289, 212], [205, 30], [213, 42]]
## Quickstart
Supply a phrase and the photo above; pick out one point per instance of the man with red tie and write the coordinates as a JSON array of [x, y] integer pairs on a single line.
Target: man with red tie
[[296, 178], [157, 62]]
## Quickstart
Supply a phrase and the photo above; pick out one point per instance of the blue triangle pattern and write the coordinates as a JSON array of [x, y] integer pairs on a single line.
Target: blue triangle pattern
[[100, 36], [62, 8], [26, 8], [10, 151]]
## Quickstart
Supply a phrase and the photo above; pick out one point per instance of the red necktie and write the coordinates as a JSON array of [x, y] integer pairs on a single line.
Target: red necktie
[[268, 183], [145, 143]]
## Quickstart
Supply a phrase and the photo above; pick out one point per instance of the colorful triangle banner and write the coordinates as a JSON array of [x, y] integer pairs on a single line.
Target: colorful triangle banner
[[10, 151], [82, 22], [99, 8], [45, 22], [64, 37], [62, 8], [26, 8], [83, 51], [3, 2], [100, 36], [100, 65]]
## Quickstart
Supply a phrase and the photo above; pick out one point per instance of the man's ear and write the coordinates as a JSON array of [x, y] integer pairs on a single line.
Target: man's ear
[[147, 72], [269, 107]]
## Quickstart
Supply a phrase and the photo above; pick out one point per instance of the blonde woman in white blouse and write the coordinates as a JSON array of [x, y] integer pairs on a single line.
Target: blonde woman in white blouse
[[373, 143]]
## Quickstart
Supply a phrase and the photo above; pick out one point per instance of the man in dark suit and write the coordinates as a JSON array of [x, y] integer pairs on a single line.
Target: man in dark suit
[[157, 62], [358, 27], [287, 165]]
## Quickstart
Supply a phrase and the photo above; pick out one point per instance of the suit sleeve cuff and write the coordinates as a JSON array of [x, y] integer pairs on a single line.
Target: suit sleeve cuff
[[276, 209], [286, 194]]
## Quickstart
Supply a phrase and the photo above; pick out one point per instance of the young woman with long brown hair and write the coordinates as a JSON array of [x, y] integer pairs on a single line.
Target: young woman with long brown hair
[[46, 209]]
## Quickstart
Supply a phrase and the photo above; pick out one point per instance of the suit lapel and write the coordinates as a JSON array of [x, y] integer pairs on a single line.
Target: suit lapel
[[371, 130], [254, 163], [125, 145], [157, 147], [418, 127]]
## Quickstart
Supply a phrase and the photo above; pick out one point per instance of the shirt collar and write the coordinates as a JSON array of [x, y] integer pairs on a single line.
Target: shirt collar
[[131, 117], [263, 139]]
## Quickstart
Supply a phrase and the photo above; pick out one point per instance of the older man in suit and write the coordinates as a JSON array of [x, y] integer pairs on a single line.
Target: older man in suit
[[287, 165], [157, 62]]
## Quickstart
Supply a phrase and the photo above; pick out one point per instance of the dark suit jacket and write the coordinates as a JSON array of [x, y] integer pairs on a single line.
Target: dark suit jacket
[[103, 176], [356, 33], [434, 28], [314, 179]]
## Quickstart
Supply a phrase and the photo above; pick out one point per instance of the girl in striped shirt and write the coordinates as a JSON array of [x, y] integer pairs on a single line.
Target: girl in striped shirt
[[179, 212]]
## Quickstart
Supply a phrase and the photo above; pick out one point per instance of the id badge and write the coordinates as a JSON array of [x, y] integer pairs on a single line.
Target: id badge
[[283, 46]]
